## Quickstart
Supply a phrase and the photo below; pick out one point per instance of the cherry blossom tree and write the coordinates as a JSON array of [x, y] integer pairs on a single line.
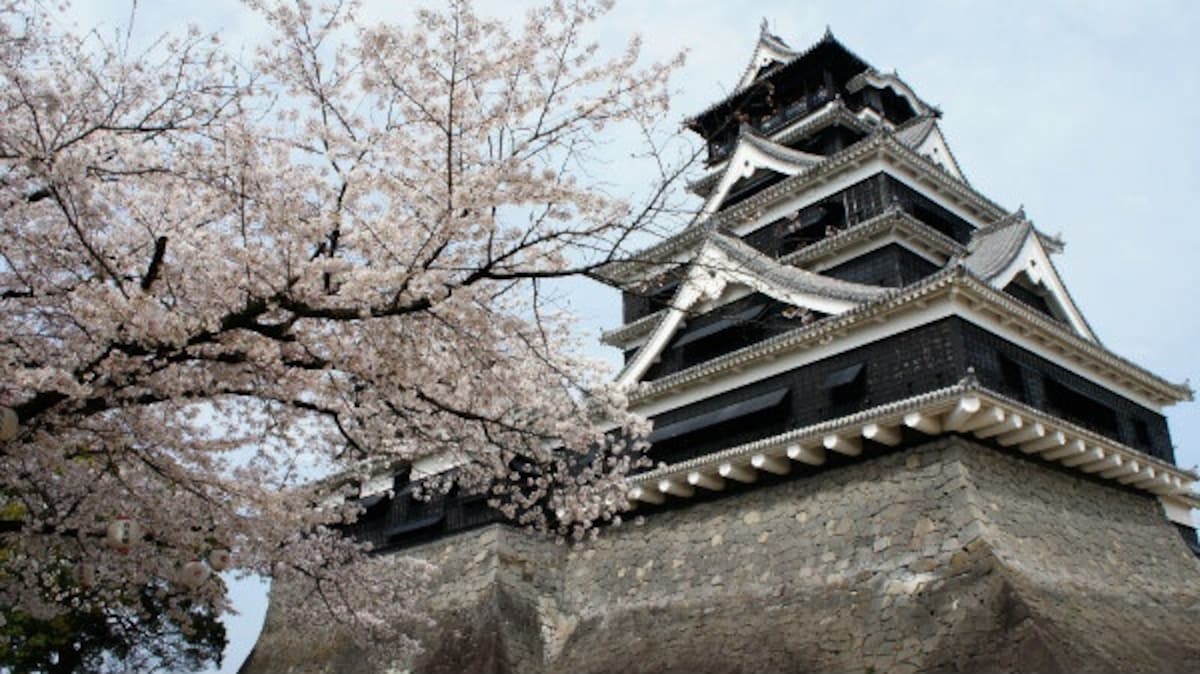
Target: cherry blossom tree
[[220, 278]]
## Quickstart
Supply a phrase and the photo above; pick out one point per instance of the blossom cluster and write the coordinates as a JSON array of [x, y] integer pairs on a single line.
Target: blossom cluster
[[220, 279]]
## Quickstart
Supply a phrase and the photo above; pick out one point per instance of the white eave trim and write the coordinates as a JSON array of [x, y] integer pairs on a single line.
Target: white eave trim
[[1033, 260], [709, 276], [879, 152], [891, 81], [952, 292], [963, 408], [877, 231], [768, 50], [751, 155], [627, 335]]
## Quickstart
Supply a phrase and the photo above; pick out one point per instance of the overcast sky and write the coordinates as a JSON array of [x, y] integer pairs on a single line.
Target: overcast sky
[[1086, 112]]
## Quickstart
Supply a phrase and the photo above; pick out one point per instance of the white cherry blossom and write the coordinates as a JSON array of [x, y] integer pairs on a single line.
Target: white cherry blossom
[[217, 273]]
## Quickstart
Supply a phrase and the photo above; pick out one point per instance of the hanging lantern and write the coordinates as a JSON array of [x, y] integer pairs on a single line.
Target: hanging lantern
[[123, 534], [219, 559], [10, 424], [193, 574]]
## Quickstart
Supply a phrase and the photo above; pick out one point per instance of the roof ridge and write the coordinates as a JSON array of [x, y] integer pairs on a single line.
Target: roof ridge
[[778, 150], [1006, 221], [801, 279]]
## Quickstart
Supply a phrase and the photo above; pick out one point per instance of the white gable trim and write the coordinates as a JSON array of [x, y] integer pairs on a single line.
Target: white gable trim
[[935, 149], [834, 173], [943, 307], [767, 50], [696, 285], [889, 81], [702, 185], [1035, 262], [712, 277], [747, 158]]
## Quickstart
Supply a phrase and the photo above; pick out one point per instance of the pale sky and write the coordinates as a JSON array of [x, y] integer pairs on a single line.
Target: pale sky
[[1086, 112]]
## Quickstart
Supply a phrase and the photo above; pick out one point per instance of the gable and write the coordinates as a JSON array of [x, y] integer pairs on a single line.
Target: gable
[[725, 269], [769, 52], [1014, 252], [877, 80], [753, 156], [935, 149]]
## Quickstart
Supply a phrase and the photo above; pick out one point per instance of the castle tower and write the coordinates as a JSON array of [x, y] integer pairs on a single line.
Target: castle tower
[[885, 437], [844, 291]]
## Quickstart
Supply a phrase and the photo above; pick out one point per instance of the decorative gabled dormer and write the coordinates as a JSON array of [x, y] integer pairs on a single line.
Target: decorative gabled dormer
[[726, 269], [1010, 255], [770, 51], [879, 85], [926, 139], [752, 164]]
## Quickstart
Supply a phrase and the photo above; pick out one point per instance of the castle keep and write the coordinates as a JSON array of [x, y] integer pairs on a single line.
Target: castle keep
[[885, 437]]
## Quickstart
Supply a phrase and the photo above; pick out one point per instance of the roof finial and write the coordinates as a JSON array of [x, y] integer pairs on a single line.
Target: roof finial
[[765, 26], [828, 33], [970, 379]]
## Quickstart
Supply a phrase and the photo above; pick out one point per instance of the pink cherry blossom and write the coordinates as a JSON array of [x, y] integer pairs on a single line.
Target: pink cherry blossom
[[221, 278]]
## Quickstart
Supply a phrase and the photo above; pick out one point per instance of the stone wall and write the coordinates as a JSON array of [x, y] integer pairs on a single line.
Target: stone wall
[[947, 557]]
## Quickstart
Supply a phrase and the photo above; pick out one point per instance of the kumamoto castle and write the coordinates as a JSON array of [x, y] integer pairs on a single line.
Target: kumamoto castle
[[885, 438]]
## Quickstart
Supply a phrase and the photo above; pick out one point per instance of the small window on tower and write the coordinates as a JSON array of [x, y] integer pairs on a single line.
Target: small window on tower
[[847, 388], [1079, 408], [1012, 377], [1142, 432]]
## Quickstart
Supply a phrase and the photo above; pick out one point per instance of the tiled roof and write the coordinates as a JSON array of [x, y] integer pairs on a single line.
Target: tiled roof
[[993, 248], [773, 45], [777, 150], [1092, 355], [872, 77], [914, 132], [877, 142], [793, 278], [834, 112], [892, 219]]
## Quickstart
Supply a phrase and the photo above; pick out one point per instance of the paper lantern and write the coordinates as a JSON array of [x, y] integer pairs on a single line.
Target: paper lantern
[[123, 534], [193, 574], [219, 559]]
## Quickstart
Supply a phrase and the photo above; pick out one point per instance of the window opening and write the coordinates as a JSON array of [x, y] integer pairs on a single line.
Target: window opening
[[847, 388], [1012, 377]]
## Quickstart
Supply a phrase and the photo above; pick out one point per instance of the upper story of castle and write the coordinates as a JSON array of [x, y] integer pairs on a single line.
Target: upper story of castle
[[781, 91], [841, 272]]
